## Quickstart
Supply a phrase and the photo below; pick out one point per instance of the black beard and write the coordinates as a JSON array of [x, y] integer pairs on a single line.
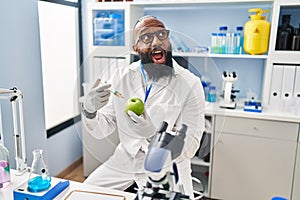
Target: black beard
[[157, 71]]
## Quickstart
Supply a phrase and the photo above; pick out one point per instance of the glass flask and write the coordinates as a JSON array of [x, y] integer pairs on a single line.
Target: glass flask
[[4, 166], [39, 179]]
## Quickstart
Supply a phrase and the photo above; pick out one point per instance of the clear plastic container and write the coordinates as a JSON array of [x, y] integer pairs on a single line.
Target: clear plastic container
[[228, 44], [214, 46], [220, 41], [222, 35], [4, 166], [109, 28], [239, 40]]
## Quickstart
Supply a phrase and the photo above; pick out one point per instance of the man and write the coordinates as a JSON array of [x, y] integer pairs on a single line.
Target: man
[[170, 92]]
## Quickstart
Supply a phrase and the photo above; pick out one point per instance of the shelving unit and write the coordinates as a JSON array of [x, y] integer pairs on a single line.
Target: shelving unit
[[279, 56], [201, 167], [195, 34]]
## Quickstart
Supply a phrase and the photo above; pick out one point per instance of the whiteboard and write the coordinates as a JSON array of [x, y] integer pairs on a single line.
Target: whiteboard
[[60, 62]]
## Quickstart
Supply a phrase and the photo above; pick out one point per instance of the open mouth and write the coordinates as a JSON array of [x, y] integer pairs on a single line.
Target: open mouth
[[158, 56]]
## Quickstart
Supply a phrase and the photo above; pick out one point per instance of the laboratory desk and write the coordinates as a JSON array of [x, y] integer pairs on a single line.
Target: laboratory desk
[[7, 193]]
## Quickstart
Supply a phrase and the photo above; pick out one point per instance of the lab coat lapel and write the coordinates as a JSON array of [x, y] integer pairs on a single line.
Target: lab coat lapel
[[163, 83], [157, 86]]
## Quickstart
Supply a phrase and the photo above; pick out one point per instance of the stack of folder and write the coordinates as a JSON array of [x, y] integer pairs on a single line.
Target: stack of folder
[[285, 87]]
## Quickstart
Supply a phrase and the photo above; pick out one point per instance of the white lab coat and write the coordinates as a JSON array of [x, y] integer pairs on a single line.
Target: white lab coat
[[177, 100]]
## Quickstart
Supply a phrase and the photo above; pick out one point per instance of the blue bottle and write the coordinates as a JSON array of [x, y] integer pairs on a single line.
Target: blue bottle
[[212, 94]]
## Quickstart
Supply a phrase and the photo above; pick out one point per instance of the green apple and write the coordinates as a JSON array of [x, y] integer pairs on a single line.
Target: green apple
[[136, 105]]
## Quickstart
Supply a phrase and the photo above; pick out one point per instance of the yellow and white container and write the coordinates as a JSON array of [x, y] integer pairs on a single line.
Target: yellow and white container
[[257, 32]]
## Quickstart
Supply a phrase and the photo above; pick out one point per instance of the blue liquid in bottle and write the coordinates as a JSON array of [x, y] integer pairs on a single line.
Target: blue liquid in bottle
[[39, 183]]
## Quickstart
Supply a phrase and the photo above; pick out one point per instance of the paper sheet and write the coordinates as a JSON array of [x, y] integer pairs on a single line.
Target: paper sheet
[[80, 194]]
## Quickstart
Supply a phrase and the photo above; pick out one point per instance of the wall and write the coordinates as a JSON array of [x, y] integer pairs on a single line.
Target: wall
[[196, 22], [20, 66]]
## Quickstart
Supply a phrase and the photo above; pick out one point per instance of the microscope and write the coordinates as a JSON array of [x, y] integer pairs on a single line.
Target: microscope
[[228, 91], [163, 176]]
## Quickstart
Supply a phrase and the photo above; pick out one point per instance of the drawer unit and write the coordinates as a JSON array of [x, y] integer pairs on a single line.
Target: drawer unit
[[253, 158], [257, 127]]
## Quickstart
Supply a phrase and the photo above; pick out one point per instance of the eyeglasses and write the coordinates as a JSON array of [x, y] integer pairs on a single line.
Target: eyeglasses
[[148, 37]]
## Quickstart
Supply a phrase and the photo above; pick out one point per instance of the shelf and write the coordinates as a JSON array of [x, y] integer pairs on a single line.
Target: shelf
[[201, 174], [286, 57], [196, 161], [180, 3], [237, 56]]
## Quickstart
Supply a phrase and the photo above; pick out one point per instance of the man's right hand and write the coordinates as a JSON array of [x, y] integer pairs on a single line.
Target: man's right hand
[[97, 97]]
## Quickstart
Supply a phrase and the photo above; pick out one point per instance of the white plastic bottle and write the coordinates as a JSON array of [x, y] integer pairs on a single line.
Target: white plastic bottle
[[222, 35], [239, 40], [214, 47]]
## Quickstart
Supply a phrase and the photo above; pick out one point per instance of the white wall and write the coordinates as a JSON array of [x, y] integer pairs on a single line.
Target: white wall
[[20, 66]]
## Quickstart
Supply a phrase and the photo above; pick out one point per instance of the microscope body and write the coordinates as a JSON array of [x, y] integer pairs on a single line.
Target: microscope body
[[228, 91], [163, 176]]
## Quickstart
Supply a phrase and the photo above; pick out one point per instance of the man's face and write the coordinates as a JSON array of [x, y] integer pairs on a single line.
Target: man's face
[[152, 42]]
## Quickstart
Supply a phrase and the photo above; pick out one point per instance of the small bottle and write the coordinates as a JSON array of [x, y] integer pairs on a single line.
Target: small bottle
[[285, 34], [205, 84], [223, 32], [220, 37], [228, 43], [4, 166], [296, 40], [239, 40], [212, 94], [213, 47], [39, 179]]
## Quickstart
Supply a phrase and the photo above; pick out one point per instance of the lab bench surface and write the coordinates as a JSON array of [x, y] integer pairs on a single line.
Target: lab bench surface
[[266, 114], [16, 181]]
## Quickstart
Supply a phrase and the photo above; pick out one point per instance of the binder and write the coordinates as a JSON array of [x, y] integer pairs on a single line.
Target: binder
[[276, 84], [296, 93], [288, 78]]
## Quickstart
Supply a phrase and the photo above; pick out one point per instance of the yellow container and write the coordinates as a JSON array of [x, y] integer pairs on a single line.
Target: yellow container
[[257, 32]]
